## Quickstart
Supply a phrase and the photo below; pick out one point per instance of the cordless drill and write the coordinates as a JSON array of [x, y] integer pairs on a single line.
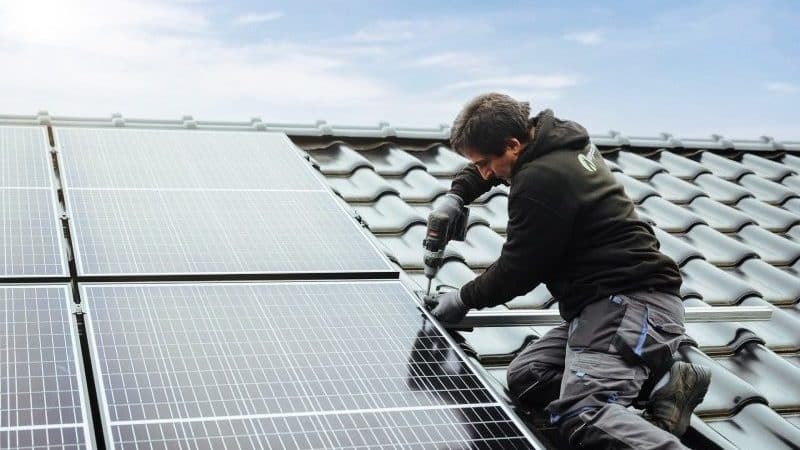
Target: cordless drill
[[440, 231]]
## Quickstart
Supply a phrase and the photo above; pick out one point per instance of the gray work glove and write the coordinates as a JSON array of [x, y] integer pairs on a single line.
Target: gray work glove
[[447, 306], [451, 206]]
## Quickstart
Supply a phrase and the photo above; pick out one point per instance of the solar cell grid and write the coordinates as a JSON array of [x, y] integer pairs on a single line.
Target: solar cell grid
[[30, 234], [41, 390], [177, 159], [161, 232], [474, 428], [305, 365], [214, 350], [24, 158]]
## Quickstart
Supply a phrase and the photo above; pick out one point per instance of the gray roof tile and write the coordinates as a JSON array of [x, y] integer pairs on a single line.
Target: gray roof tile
[[770, 217], [678, 249], [771, 247], [773, 377], [722, 166], [721, 190], [637, 190], [767, 191], [669, 216], [481, 247], [680, 166], [719, 216], [390, 160], [453, 274], [389, 214], [776, 286], [363, 185], [338, 159], [792, 182], [675, 189], [637, 166], [441, 161], [766, 168], [716, 286], [792, 205], [756, 426], [407, 247], [792, 161], [498, 345], [417, 186], [779, 333], [719, 249], [494, 212], [793, 233]]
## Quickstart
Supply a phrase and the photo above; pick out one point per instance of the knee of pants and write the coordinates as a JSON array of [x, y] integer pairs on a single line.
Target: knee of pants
[[535, 383]]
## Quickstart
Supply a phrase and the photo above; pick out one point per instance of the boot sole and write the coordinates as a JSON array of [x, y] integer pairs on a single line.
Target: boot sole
[[703, 380]]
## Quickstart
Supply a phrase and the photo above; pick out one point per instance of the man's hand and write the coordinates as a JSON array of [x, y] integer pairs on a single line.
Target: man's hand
[[451, 206], [447, 306]]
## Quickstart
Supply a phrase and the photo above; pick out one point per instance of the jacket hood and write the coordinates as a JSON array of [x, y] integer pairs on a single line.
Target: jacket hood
[[551, 134]]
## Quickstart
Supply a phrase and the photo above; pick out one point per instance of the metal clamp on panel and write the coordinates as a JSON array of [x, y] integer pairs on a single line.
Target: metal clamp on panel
[[532, 317]]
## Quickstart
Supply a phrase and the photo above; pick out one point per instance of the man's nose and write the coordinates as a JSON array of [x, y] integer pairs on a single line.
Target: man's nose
[[486, 173]]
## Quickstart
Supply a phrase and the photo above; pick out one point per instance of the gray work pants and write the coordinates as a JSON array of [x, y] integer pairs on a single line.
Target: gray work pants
[[580, 371]]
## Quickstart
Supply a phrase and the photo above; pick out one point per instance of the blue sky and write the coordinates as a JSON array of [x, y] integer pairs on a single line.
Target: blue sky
[[639, 67]]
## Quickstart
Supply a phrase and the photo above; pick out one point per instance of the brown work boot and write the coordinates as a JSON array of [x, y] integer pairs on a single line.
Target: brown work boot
[[670, 407]]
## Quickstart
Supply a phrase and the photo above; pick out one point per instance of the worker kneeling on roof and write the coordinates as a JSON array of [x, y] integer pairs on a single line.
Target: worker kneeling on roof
[[572, 227]]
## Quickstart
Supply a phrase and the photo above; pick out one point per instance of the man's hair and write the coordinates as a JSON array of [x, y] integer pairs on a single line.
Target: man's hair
[[488, 121]]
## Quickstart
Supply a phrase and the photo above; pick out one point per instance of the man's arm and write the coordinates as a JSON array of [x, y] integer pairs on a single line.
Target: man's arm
[[469, 184], [539, 229]]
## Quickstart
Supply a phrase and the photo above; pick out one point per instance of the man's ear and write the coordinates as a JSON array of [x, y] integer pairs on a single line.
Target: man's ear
[[514, 145]]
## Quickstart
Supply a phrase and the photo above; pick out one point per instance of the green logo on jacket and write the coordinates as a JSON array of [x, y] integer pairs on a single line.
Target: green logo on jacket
[[587, 163]]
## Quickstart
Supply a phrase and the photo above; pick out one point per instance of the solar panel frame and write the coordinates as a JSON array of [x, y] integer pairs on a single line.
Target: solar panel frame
[[25, 436], [48, 262], [114, 429]]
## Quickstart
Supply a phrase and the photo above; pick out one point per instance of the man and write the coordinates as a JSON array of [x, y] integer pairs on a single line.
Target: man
[[572, 227]]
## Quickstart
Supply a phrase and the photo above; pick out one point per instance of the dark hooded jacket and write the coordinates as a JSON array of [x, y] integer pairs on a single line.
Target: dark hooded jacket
[[571, 226]]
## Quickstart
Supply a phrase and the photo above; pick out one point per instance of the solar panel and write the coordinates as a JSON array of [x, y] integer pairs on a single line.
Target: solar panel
[[30, 234], [24, 157], [30, 230], [186, 159], [42, 392], [311, 364], [140, 232]]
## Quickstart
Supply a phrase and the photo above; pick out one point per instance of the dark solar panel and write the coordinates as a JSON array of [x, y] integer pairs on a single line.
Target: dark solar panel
[[30, 231], [42, 393], [138, 232], [177, 159], [283, 362]]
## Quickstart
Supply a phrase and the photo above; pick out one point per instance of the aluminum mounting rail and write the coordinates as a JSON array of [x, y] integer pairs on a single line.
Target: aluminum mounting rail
[[506, 318]]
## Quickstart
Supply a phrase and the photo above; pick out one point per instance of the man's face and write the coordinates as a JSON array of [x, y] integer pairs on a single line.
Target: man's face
[[499, 166]]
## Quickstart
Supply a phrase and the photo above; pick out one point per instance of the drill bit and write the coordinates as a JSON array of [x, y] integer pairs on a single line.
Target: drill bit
[[428, 292]]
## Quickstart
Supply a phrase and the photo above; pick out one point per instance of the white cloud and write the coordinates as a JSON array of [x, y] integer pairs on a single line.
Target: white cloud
[[422, 31], [251, 18], [547, 82], [782, 87], [586, 37], [157, 59]]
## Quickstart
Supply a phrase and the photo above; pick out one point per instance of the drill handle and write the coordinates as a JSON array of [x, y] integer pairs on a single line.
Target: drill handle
[[458, 229]]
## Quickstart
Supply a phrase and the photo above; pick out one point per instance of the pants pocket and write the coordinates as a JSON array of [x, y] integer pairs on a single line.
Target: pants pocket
[[596, 326], [648, 336]]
